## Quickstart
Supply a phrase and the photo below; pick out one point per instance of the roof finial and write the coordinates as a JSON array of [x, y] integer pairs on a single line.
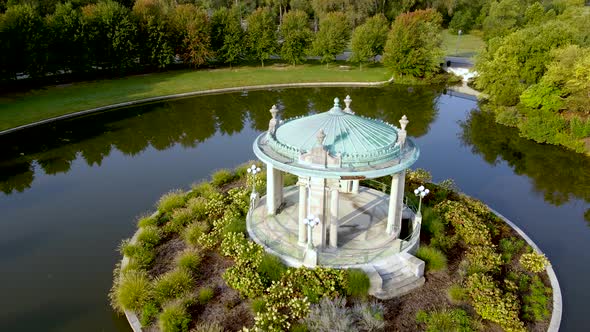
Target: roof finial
[[347, 101], [402, 134], [274, 122], [336, 102]]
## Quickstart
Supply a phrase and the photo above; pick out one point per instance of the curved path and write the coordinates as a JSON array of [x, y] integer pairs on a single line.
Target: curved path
[[194, 93]]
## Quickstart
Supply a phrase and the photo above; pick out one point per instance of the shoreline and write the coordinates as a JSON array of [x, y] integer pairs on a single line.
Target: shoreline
[[192, 94]]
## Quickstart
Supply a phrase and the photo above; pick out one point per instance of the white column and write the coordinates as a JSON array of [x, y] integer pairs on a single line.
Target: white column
[[278, 188], [270, 190], [355, 186], [393, 204], [302, 239], [334, 193], [318, 200], [397, 226]]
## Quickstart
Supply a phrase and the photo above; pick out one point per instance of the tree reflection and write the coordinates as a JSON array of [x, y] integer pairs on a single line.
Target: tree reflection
[[188, 122], [559, 175]]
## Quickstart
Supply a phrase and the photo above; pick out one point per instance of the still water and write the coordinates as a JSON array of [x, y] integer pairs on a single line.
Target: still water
[[70, 191]]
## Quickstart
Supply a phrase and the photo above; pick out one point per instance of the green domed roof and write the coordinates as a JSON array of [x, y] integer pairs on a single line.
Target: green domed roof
[[346, 133], [336, 143]]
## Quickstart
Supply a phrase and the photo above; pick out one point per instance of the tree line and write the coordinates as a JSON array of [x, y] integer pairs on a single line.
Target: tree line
[[85, 37], [536, 69]]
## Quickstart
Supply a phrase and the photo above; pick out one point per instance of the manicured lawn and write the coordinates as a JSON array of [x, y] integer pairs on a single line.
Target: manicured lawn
[[466, 45], [20, 109]]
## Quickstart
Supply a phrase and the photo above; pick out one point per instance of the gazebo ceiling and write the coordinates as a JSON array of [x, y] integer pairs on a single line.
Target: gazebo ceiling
[[353, 145]]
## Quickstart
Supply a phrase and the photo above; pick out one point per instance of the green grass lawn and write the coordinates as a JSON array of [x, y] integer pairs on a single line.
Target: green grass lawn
[[466, 45], [52, 101]]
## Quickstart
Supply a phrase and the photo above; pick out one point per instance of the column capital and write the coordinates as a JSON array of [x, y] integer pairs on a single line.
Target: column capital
[[302, 182], [333, 185]]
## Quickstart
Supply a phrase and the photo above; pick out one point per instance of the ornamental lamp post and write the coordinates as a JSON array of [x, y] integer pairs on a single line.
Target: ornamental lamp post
[[253, 170], [311, 221], [420, 192]]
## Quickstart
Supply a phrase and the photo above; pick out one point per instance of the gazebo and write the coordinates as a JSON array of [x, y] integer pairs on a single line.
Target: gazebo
[[330, 152]]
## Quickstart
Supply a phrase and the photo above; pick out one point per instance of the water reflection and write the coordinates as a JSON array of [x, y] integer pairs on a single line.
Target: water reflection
[[188, 122], [557, 174]]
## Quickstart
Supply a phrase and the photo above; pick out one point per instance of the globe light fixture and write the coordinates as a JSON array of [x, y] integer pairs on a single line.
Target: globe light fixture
[[421, 192], [253, 170], [311, 221]]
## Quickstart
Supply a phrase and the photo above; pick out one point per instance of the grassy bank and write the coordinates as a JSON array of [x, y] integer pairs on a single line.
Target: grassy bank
[[52, 101], [466, 45]]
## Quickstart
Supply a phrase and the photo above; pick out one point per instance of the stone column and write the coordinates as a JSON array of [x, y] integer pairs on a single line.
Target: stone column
[[318, 199], [397, 226], [302, 231], [395, 201], [278, 188], [355, 187], [334, 195], [270, 190]]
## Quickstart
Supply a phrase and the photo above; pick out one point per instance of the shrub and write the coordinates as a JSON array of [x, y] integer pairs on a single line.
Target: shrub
[[139, 256], [271, 268], [222, 177], [235, 225], [172, 285], [194, 231], [491, 303], [132, 291], [358, 283], [432, 223], [174, 318], [203, 189], [147, 221], [245, 279], [149, 236], [483, 259], [171, 200], [208, 327], [180, 218], [239, 200], [148, 313], [535, 303], [290, 179], [445, 320], [197, 207], [189, 260], [259, 305], [509, 247], [205, 295], [435, 259], [368, 316], [534, 262], [444, 242], [418, 176], [330, 315], [457, 294]]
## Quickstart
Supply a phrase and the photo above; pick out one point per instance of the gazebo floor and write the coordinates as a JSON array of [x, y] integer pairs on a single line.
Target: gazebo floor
[[362, 238]]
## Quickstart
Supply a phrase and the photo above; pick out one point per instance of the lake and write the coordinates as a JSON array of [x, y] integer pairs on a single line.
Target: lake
[[72, 190]]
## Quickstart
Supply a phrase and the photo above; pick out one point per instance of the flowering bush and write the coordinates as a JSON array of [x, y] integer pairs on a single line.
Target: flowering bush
[[484, 259], [491, 303], [534, 262]]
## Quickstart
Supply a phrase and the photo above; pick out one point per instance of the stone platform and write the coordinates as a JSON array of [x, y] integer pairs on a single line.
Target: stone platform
[[361, 237]]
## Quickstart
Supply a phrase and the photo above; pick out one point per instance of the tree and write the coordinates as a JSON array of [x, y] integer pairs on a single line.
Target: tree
[[503, 18], [66, 42], [191, 26], [413, 44], [155, 45], [110, 35], [261, 34], [227, 36], [296, 36], [24, 47], [332, 38], [368, 40]]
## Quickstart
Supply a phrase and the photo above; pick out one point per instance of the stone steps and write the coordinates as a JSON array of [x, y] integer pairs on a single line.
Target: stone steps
[[395, 276]]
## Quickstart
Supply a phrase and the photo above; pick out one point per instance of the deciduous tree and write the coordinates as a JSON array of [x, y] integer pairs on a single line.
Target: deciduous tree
[[296, 36], [261, 34], [413, 44], [368, 39], [191, 26], [332, 38]]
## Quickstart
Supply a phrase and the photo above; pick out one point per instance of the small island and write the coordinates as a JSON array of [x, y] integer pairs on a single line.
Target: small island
[[313, 245]]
